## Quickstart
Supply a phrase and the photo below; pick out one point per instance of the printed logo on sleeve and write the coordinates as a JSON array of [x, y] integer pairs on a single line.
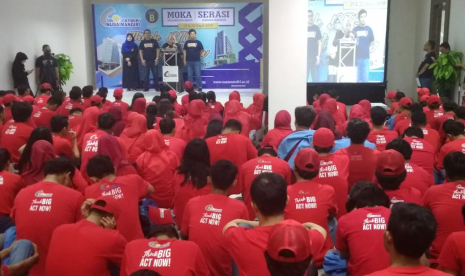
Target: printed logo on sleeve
[[408, 168], [161, 257], [459, 192], [113, 190], [374, 222], [305, 202], [43, 203], [212, 216]]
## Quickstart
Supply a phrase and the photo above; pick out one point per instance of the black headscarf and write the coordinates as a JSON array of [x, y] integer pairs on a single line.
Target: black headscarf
[[20, 57]]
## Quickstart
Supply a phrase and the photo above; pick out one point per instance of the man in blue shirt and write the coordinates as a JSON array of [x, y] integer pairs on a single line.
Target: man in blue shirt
[[365, 38], [313, 48], [192, 53]]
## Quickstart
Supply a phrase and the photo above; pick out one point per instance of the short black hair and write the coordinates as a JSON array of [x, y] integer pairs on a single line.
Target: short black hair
[[192, 30], [305, 174], [214, 128], [460, 112], [378, 115], [414, 131], [203, 96], [432, 43], [399, 95], [45, 46], [22, 90], [445, 45], [304, 116], [58, 123], [193, 96], [267, 150], [87, 91], [145, 272], [21, 111], [55, 99], [418, 119], [278, 268], [211, 96], [412, 228], [269, 193], [319, 91], [463, 212], [167, 125], [106, 121], [75, 93], [5, 158], [74, 110], [60, 165], [357, 131], [167, 230], [390, 182], [453, 128], [323, 150], [233, 124], [366, 194], [362, 11], [401, 146], [415, 107], [454, 165], [223, 174], [449, 106], [100, 166], [147, 30], [333, 93]]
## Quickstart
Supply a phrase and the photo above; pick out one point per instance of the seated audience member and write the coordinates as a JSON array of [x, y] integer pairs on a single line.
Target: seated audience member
[[210, 213], [23, 91], [191, 177], [194, 122], [446, 200], [118, 94], [423, 101], [362, 159], [434, 109], [60, 132], [401, 126], [451, 259], [22, 254], [145, 272], [342, 108], [234, 110], [424, 91], [87, 92], [75, 119], [39, 154], [389, 101], [256, 111], [356, 112], [206, 108], [120, 124], [103, 93], [319, 201], [394, 109], [2, 116], [390, 174], [133, 136], [282, 128], [88, 124], [157, 165], [36, 218], [246, 246], [139, 106], [8, 101], [334, 169], [164, 253], [304, 117], [214, 128], [318, 105], [215, 106], [16, 133], [267, 161], [317, 93], [74, 102], [409, 233], [380, 136], [126, 190], [179, 109], [449, 108], [455, 133], [11, 185], [45, 93], [430, 135], [402, 111], [233, 96], [423, 153], [366, 108], [112, 147], [459, 114], [365, 223], [331, 106], [42, 116], [417, 177], [134, 98], [151, 115], [97, 232], [168, 130]]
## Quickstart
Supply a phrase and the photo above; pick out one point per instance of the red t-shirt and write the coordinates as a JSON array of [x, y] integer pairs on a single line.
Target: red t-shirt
[[334, 171], [409, 271], [358, 229], [394, 106], [168, 257], [216, 108], [90, 147], [456, 145], [236, 148], [362, 163], [432, 136], [342, 108], [10, 184], [452, 256], [176, 145], [252, 168], [42, 117], [445, 201], [68, 105], [62, 146], [127, 190], [13, 136], [407, 195], [401, 126], [246, 247], [74, 122], [312, 202], [209, 214], [381, 138], [417, 178], [399, 117], [39, 209], [438, 121], [432, 114], [124, 106], [86, 103], [423, 154], [41, 101], [95, 246]]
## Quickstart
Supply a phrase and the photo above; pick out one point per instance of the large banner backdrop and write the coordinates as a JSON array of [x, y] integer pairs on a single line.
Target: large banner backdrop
[[230, 33]]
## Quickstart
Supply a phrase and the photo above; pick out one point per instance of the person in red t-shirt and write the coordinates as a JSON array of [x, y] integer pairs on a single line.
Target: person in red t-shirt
[[118, 94], [423, 153], [455, 132], [42, 116], [61, 132], [178, 108], [133, 136], [127, 190], [45, 92], [246, 246], [365, 223], [308, 199], [390, 99], [342, 108], [168, 130], [75, 118], [380, 136], [403, 108], [10, 185], [267, 161], [430, 135], [210, 213], [96, 232], [452, 260], [42, 207], [8, 101], [282, 128], [103, 93], [410, 231], [446, 200], [73, 102], [434, 110], [215, 107], [422, 92], [87, 92], [407, 122], [362, 159], [449, 108], [390, 173]]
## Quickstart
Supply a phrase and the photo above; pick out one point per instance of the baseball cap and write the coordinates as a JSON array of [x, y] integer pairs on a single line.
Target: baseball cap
[[28, 99], [160, 216], [188, 86], [9, 98], [405, 102], [118, 92], [434, 99], [107, 204], [173, 94], [423, 91], [391, 95], [96, 99], [292, 236], [308, 160], [390, 162], [323, 138], [424, 98], [46, 86]]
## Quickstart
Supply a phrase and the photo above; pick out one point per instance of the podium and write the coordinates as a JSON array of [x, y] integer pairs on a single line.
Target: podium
[[347, 69], [171, 73]]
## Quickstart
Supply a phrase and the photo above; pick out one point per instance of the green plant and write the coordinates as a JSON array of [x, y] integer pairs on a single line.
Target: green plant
[[65, 67], [446, 73]]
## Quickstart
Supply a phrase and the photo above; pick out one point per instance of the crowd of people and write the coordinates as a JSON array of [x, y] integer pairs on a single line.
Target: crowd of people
[[90, 186]]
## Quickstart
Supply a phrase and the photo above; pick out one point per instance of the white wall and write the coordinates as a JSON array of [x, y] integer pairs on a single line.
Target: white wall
[[456, 31]]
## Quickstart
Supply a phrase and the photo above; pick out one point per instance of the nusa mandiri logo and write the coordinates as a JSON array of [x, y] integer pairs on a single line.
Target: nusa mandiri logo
[[109, 19]]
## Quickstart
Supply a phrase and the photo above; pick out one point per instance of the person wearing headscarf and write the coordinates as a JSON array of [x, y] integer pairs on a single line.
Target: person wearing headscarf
[[19, 72], [318, 104], [236, 111], [366, 109], [88, 124], [130, 63], [233, 96], [356, 112], [120, 123], [326, 120], [179, 109], [194, 123], [331, 106], [256, 110], [185, 102], [139, 106], [133, 136], [110, 146], [157, 165], [42, 152], [282, 128]]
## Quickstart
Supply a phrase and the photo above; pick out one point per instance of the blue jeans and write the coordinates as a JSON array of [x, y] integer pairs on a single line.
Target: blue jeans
[[332, 227], [312, 71], [150, 66], [363, 70], [194, 67], [427, 83]]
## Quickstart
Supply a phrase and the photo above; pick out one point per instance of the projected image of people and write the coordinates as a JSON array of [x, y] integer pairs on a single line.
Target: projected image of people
[[314, 47], [365, 37]]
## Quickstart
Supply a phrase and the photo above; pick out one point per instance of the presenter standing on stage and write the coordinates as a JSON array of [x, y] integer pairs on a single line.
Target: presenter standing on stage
[[47, 69], [149, 51], [130, 65], [172, 43], [314, 47], [365, 38], [192, 52]]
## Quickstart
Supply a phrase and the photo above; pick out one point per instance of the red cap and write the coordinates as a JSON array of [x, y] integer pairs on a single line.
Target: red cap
[[308, 160], [323, 138], [160, 216], [9, 98], [390, 162], [46, 86], [96, 99], [405, 102], [391, 95], [423, 91], [434, 99], [118, 92], [28, 99], [424, 98], [188, 86], [173, 94], [107, 204], [289, 235]]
